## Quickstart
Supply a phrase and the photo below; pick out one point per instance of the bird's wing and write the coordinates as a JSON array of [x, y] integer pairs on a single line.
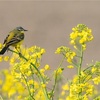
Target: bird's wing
[[9, 37], [17, 38], [13, 38]]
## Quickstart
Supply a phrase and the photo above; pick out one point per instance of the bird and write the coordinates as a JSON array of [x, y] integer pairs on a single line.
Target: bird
[[14, 38]]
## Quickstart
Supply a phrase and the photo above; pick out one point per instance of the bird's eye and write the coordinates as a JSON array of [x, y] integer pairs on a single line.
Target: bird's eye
[[19, 29]]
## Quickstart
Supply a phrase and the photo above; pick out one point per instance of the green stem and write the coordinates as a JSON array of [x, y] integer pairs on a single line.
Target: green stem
[[41, 78], [27, 85], [80, 64], [55, 81], [79, 69], [61, 61], [32, 78]]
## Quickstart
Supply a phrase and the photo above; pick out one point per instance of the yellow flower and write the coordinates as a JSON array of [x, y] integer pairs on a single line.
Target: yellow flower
[[20, 97], [72, 97], [90, 89], [30, 82], [63, 93], [85, 97], [1, 58], [65, 87], [42, 51], [69, 60], [58, 71], [32, 90], [1, 81], [81, 35], [36, 85], [11, 92], [70, 66], [43, 85], [96, 80], [72, 42], [70, 56], [12, 60], [46, 67], [73, 35], [58, 51], [6, 58], [94, 69], [42, 70]]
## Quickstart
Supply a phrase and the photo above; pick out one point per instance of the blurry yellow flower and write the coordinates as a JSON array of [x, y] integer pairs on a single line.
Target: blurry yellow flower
[[6, 58], [69, 60], [58, 51], [11, 92], [42, 51], [72, 42], [94, 69], [85, 97], [1, 81], [96, 80], [32, 90], [1, 58], [46, 67], [70, 66], [63, 93], [42, 70], [72, 97], [20, 97], [31, 82], [65, 87], [90, 89], [36, 85], [12, 60], [43, 85]]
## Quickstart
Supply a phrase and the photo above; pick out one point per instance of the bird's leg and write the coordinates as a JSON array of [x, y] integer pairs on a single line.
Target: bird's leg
[[18, 50], [8, 49]]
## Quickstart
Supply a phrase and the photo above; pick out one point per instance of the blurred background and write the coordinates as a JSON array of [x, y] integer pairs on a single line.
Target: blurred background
[[49, 23]]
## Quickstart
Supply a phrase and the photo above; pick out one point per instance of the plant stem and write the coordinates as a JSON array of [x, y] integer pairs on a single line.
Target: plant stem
[[80, 63], [79, 70], [27, 85], [55, 81]]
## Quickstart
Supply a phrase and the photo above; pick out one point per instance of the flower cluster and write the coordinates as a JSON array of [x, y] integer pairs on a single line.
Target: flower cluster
[[25, 69], [22, 64], [83, 87], [80, 36], [9, 88], [67, 53]]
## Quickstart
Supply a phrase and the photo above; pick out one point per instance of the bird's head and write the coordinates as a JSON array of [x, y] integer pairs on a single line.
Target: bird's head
[[20, 29]]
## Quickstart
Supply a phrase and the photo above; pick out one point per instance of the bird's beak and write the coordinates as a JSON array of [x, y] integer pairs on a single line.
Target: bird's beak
[[25, 30]]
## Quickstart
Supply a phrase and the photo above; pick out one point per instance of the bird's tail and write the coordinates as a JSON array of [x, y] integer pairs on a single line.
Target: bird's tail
[[3, 50]]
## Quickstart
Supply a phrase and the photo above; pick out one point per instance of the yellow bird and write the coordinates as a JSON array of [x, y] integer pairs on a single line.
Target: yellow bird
[[14, 38]]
